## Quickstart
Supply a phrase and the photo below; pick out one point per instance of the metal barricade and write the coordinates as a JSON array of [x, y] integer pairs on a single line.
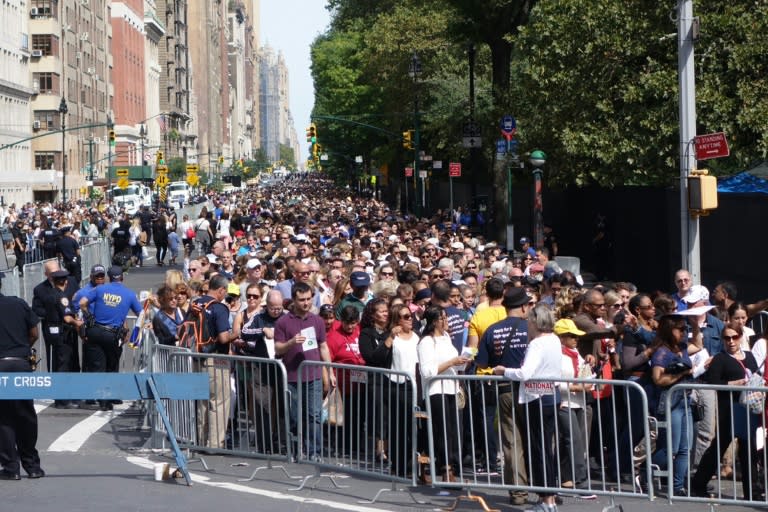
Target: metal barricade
[[577, 446], [734, 424], [11, 282], [89, 256], [245, 414], [367, 425], [34, 274], [759, 323], [181, 413]]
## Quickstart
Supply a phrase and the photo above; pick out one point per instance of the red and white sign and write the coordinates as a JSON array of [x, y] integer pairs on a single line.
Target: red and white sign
[[712, 145], [408, 172], [454, 170]]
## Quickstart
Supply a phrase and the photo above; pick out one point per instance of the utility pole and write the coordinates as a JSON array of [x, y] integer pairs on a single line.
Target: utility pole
[[689, 225]]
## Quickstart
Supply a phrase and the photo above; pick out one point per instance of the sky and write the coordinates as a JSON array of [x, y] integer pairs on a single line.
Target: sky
[[290, 26]]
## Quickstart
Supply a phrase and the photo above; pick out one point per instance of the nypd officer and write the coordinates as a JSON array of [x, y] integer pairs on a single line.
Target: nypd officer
[[18, 419], [50, 237], [111, 304], [69, 250], [51, 302]]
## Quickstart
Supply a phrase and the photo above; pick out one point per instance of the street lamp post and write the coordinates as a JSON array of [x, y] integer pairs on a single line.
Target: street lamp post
[[142, 134], [414, 71], [110, 127], [63, 111], [537, 160]]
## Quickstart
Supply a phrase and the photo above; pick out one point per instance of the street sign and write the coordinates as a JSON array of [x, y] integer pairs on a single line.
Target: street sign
[[161, 169], [454, 170], [192, 168], [508, 125], [123, 182], [162, 180], [121, 172], [437, 164], [408, 172], [422, 174], [472, 142], [712, 145], [471, 129], [501, 147], [193, 179]]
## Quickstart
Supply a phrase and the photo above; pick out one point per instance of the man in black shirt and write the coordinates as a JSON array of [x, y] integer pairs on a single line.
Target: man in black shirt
[[69, 249], [18, 419]]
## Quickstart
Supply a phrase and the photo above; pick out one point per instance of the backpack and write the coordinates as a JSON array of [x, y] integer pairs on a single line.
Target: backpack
[[190, 232], [195, 332]]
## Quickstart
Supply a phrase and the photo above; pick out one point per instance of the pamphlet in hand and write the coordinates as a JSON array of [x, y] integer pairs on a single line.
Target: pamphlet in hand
[[469, 353], [311, 342]]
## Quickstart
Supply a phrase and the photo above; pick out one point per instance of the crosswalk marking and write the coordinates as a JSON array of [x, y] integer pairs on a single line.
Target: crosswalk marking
[[41, 405], [74, 438]]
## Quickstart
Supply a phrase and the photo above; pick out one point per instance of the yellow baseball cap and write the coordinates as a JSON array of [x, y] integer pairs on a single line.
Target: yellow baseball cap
[[566, 326]]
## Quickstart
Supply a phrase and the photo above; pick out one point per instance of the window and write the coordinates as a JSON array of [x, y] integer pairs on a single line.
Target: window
[[44, 8], [45, 160], [48, 82], [47, 43], [48, 119]]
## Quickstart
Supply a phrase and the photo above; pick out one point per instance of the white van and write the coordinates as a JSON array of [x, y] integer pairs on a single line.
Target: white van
[[132, 197], [178, 194]]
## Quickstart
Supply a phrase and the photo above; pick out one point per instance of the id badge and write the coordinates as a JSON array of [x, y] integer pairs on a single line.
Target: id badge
[[53, 330]]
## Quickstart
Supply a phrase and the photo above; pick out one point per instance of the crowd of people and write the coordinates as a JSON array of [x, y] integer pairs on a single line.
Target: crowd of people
[[302, 271]]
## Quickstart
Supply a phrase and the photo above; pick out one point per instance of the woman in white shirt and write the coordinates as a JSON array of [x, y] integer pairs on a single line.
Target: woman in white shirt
[[543, 361], [438, 356], [402, 342]]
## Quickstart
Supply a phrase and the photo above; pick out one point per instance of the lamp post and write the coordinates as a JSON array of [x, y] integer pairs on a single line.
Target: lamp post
[[110, 127], [63, 111], [142, 134], [537, 159], [414, 70]]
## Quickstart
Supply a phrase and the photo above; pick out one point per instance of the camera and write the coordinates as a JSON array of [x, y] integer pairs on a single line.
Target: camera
[[676, 368]]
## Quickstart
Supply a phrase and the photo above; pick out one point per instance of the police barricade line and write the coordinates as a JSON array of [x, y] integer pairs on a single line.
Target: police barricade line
[[34, 274], [34, 252], [582, 447], [737, 424], [759, 323], [11, 283], [89, 256], [245, 411], [181, 413], [365, 426]]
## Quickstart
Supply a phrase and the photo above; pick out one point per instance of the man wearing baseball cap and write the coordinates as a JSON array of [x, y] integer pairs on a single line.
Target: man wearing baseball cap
[[360, 282]]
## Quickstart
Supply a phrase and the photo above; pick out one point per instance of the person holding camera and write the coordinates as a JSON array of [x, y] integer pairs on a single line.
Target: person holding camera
[[670, 365]]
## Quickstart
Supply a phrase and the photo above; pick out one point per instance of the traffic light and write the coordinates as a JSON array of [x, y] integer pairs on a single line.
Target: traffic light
[[111, 137], [408, 139], [702, 191], [160, 158], [312, 133], [221, 160]]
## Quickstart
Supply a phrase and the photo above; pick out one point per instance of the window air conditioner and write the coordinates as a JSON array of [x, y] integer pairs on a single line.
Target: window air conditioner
[[34, 12], [37, 53], [35, 125]]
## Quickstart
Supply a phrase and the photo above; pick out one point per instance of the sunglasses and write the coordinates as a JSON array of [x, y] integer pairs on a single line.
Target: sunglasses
[[405, 317], [387, 273], [730, 338], [253, 296]]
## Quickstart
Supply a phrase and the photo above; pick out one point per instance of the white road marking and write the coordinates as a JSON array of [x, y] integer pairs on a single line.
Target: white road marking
[[74, 438], [41, 405], [204, 480]]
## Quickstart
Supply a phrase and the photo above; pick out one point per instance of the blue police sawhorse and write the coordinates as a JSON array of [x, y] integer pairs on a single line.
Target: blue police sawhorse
[[111, 386]]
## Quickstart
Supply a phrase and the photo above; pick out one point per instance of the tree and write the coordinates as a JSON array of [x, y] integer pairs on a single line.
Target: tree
[[287, 156]]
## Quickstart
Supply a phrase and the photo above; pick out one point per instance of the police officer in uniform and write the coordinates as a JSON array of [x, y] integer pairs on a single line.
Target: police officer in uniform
[[120, 238], [111, 304], [18, 419], [69, 249], [19, 245], [51, 302], [98, 277], [50, 238]]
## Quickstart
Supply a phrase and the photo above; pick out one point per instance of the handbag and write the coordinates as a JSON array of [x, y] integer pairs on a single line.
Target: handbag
[[461, 397], [333, 408], [752, 399]]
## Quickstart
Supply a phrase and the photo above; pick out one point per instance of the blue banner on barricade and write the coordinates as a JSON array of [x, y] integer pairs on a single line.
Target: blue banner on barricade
[[540, 436]]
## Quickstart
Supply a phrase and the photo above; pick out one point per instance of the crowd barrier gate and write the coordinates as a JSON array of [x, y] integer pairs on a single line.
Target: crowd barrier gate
[[726, 491], [614, 449], [373, 433]]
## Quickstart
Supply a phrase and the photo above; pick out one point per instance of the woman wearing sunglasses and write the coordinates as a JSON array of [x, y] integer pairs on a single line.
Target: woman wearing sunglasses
[[402, 342]]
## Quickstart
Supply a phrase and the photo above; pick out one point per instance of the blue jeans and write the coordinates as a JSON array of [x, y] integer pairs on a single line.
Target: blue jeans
[[312, 417], [681, 433]]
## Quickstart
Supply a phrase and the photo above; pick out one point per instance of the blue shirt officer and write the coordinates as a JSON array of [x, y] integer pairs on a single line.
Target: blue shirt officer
[[111, 304]]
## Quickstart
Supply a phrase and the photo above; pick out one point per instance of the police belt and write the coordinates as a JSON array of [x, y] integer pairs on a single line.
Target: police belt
[[108, 328]]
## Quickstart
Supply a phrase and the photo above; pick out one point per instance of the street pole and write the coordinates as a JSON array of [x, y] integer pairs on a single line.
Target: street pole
[[689, 225], [63, 111], [90, 167], [110, 126], [537, 159], [415, 72]]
